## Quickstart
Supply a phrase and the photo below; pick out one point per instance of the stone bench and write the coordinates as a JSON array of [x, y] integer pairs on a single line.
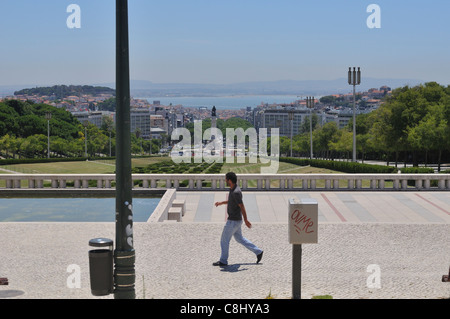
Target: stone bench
[[180, 203], [175, 213]]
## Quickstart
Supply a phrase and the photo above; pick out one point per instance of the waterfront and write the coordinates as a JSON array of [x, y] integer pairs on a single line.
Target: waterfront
[[231, 102]]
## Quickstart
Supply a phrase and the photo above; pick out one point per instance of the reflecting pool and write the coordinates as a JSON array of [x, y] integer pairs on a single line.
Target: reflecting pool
[[73, 209]]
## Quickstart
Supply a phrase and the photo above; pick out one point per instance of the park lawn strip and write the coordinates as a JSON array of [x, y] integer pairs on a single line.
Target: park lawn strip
[[87, 167], [108, 167], [78, 167]]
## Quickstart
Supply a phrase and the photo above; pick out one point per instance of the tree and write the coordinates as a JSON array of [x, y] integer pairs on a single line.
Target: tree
[[343, 142], [364, 140], [323, 136], [431, 133], [301, 144], [285, 145], [329, 99], [305, 126], [33, 146], [381, 132]]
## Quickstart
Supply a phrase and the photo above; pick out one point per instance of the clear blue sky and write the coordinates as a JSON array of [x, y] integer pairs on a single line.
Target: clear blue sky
[[211, 41]]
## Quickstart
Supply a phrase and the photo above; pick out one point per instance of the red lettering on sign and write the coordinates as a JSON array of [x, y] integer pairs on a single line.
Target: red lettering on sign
[[302, 222]]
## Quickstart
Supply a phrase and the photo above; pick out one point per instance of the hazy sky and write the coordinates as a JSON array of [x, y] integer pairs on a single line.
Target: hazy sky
[[212, 41]]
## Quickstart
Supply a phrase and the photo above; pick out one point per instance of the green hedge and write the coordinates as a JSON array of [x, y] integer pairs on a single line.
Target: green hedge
[[16, 161], [417, 170], [169, 167], [345, 167]]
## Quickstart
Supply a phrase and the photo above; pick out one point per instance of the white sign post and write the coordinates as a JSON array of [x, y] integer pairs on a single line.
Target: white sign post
[[303, 229]]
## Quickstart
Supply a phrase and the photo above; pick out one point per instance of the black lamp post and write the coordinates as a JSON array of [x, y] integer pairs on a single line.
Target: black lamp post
[[291, 120], [48, 117], [124, 254], [310, 101], [354, 78], [85, 124]]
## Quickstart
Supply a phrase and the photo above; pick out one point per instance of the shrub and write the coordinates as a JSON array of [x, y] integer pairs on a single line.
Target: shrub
[[345, 167], [417, 170]]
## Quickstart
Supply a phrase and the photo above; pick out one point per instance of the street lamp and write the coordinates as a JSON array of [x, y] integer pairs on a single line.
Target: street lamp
[[138, 136], [354, 78], [48, 117], [110, 130], [124, 253], [310, 101], [291, 119], [85, 124]]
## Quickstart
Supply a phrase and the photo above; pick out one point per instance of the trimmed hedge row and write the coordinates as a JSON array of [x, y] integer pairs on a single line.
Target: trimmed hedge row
[[16, 161], [169, 167], [417, 170], [345, 167]]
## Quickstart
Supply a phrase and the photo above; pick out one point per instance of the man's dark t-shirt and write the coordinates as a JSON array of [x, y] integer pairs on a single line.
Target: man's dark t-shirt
[[234, 199]]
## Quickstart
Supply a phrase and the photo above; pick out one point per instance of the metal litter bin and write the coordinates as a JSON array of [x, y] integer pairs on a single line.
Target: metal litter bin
[[101, 266]]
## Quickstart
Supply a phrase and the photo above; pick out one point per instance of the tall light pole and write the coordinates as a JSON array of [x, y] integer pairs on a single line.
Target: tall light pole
[[48, 117], [109, 130], [138, 136], [310, 101], [354, 78], [124, 254], [291, 119], [85, 124]]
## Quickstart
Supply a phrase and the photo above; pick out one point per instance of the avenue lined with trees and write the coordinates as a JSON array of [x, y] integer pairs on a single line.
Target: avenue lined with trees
[[412, 125]]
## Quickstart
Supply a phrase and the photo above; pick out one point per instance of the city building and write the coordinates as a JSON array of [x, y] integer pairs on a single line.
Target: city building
[[279, 117], [95, 118]]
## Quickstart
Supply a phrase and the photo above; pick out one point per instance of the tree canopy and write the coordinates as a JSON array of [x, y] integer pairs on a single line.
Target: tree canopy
[[414, 122], [63, 91]]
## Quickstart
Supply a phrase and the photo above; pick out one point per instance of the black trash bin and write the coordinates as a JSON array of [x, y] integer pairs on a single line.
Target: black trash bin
[[101, 266]]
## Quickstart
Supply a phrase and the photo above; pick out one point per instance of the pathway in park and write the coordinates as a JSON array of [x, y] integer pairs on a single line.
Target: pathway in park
[[374, 245], [334, 207]]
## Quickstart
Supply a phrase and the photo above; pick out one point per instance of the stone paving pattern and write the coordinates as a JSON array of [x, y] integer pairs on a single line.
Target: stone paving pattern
[[407, 234]]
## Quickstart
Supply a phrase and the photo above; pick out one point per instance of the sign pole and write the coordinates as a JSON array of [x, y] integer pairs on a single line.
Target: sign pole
[[296, 271], [303, 229]]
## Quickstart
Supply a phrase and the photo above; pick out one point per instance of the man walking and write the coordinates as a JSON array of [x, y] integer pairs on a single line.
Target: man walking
[[236, 212]]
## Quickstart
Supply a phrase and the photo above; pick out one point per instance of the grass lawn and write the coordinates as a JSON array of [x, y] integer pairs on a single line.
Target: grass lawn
[[80, 167], [284, 168], [108, 167]]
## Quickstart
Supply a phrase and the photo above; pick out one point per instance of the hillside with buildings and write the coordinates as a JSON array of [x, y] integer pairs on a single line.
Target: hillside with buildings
[[92, 104]]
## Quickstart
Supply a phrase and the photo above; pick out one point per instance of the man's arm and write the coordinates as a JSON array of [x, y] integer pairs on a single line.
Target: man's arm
[[244, 215], [221, 203]]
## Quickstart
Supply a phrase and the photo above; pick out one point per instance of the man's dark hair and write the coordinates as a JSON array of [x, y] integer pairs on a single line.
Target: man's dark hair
[[232, 177]]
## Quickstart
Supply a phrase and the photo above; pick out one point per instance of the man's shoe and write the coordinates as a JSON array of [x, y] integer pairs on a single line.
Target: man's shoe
[[258, 257], [219, 263]]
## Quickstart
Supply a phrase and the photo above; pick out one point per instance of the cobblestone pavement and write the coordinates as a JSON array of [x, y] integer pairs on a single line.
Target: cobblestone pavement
[[174, 260], [336, 207]]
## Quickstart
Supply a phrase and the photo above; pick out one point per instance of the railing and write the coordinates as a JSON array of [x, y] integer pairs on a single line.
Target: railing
[[256, 182]]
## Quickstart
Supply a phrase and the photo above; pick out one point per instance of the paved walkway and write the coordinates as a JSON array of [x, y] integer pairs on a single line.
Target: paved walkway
[[405, 235], [334, 207]]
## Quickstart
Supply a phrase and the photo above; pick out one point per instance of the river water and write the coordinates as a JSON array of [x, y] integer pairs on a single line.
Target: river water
[[233, 102]]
